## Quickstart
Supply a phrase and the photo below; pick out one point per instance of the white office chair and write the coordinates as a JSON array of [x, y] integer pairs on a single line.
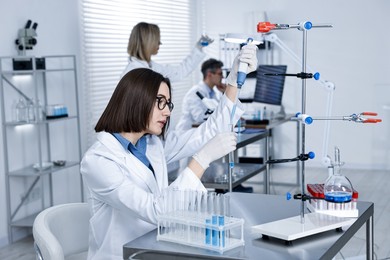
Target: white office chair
[[61, 232]]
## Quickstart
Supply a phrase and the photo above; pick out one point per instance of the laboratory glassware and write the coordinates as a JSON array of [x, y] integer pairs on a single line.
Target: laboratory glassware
[[338, 188]]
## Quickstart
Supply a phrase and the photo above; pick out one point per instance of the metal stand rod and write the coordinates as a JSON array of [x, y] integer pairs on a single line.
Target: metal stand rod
[[267, 165], [304, 52], [231, 164]]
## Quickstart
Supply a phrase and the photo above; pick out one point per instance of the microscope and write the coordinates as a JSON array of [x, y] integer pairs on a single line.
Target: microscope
[[26, 38], [26, 41]]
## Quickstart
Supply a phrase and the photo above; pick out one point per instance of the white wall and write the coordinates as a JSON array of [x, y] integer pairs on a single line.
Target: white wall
[[355, 55], [58, 34]]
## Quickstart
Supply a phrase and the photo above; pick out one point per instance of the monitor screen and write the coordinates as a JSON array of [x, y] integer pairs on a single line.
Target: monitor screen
[[269, 89]]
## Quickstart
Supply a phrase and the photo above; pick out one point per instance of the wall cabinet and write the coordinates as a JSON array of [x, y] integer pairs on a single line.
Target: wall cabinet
[[41, 136]]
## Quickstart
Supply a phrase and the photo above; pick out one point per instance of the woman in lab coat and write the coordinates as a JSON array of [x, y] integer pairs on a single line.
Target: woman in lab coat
[[145, 41], [125, 171]]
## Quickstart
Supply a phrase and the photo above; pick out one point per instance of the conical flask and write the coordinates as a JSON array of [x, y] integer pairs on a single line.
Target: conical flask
[[338, 188]]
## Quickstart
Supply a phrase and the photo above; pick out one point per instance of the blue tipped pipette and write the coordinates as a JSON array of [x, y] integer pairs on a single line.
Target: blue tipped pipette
[[241, 76]]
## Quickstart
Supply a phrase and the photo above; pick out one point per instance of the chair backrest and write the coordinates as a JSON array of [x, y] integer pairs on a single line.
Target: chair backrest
[[61, 231]]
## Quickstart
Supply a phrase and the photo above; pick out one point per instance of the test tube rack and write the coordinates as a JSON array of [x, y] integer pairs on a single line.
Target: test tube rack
[[347, 209], [213, 232]]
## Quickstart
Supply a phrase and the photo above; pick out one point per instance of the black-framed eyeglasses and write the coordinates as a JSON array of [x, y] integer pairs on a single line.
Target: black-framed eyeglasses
[[162, 102]]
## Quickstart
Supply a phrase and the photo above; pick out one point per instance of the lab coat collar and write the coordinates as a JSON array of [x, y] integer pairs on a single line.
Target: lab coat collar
[[205, 88], [130, 161], [141, 63]]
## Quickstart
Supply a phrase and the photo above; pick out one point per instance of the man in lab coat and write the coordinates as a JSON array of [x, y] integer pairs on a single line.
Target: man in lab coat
[[201, 100]]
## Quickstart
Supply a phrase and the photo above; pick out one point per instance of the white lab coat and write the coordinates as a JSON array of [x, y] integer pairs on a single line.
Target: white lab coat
[[193, 109], [174, 72], [124, 196]]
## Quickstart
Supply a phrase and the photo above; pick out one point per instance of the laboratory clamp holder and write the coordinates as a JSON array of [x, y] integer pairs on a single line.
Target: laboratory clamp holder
[[336, 198]]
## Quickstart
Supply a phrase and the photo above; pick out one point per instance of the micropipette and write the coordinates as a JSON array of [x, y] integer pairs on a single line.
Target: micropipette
[[241, 76]]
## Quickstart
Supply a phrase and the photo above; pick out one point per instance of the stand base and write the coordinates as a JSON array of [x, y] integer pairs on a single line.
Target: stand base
[[291, 228]]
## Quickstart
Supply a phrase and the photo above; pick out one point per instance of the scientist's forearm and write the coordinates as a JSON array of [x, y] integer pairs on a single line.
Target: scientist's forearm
[[231, 92], [196, 168]]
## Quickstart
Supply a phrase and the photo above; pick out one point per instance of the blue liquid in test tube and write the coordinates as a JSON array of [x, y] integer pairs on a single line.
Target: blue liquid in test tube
[[208, 232], [214, 232]]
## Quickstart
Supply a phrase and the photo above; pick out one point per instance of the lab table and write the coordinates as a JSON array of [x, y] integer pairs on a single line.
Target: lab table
[[258, 209]]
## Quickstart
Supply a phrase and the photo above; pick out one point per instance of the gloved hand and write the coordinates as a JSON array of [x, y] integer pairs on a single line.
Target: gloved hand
[[203, 41], [218, 146], [247, 55]]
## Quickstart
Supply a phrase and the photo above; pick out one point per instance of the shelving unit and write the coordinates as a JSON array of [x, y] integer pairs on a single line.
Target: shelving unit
[[30, 146]]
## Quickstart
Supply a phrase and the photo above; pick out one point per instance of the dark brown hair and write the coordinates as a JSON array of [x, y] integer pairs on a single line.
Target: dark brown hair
[[210, 65], [132, 103]]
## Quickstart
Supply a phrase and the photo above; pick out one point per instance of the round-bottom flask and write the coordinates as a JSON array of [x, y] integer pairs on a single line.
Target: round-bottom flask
[[337, 188]]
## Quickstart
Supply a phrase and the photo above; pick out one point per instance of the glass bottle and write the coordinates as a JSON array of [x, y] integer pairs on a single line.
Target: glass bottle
[[38, 110], [30, 111], [21, 111], [337, 188]]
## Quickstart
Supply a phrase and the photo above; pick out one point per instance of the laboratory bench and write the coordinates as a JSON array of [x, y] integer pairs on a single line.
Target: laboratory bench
[[258, 209]]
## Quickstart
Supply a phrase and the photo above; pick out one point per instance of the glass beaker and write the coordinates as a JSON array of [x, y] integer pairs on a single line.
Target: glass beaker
[[337, 188]]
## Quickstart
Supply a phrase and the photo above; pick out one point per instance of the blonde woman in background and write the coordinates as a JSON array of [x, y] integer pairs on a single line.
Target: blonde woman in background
[[145, 41]]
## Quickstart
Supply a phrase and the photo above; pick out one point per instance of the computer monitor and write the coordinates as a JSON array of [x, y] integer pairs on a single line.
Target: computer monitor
[[269, 89]]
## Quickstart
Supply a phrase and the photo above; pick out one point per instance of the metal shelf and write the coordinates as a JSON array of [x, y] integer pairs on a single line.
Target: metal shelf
[[46, 121], [23, 72], [31, 172], [25, 222], [37, 145]]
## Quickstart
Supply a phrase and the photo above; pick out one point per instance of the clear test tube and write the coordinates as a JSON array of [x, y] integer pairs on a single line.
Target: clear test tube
[[186, 203], [192, 229], [183, 211], [226, 205], [321, 204], [178, 199], [331, 206], [171, 210], [210, 203], [164, 210], [353, 203], [219, 205], [337, 206], [203, 215], [195, 215], [175, 197], [226, 213], [192, 203]]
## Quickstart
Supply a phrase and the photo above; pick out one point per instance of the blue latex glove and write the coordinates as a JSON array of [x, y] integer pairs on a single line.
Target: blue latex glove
[[204, 41]]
